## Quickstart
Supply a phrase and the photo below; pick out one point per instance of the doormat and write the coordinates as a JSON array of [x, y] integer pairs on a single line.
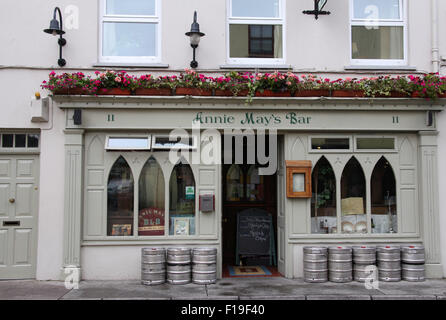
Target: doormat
[[250, 271]]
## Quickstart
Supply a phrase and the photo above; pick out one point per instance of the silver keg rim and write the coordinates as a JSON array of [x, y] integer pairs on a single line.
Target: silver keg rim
[[340, 249], [412, 247], [388, 248], [153, 250], [178, 250]]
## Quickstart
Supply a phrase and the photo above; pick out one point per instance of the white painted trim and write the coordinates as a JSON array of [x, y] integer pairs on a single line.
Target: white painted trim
[[384, 22], [322, 151], [374, 151], [156, 19], [248, 20]]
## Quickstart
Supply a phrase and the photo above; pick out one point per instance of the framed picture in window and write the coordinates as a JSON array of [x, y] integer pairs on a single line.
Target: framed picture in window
[[181, 226], [298, 177]]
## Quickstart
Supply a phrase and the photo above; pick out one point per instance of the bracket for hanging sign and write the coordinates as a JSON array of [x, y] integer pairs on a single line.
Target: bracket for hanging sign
[[318, 9]]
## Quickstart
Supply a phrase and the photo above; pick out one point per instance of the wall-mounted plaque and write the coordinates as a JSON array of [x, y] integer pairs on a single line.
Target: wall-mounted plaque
[[298, 182]]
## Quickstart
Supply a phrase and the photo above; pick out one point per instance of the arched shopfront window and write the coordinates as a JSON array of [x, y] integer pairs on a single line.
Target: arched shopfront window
[[353, 198], [120, 199], [254, 184], [323, 201], [151, 218], [383, 198], [234, 183], [182, 200]]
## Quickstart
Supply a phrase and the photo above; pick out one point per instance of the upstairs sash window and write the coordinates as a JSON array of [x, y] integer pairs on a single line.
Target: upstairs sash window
[[256, 31], [378, 32], [130, 31]]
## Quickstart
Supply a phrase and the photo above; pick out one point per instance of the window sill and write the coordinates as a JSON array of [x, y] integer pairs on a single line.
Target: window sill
[[257, 66], [380, 68], [131, 65]]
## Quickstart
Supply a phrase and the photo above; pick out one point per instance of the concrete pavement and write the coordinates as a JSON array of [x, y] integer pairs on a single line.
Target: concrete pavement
[[275, 288]]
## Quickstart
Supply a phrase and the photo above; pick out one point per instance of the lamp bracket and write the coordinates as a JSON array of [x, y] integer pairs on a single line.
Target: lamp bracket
[[318, 6]]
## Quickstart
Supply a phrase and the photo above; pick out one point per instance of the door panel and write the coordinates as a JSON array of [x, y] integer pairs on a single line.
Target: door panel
[[24, 200], [22, 247], [3, 247], [4, 199], [18, 215]]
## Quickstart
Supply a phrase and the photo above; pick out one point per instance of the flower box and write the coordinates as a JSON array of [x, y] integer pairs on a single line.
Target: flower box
[[68, 91], [312, 93], [114, 92], [348, 93], [153, 91], [271, 93], [181, 91]]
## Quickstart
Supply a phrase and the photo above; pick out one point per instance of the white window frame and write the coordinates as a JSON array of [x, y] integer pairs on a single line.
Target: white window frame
[[175, 146], [356, 150], [252, 20], [155, 19], [146, 137], [349, 150], [402, 22]]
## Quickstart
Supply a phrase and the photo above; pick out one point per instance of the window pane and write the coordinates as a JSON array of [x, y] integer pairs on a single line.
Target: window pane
[[376, 9], [120, 200], [377, 42], [383, 193], [375, 143], [323, 200], [131, 7], [151, 200], [173, 142], [353, 198], [255, 8], [182, 201], [234, 183], [254, 185], [128, 143], [129, 39], [330, 143], [7, 141], [20, 140], [33, 141], [255, 41]]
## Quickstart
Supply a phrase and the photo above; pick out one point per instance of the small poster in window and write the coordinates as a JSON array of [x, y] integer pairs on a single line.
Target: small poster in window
[[181, 226], [190, 192], [151, 222], [121, 230]]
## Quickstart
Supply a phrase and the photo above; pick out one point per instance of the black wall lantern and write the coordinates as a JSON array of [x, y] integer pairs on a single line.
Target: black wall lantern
[[195, 36], [55, 30], [318, 9]]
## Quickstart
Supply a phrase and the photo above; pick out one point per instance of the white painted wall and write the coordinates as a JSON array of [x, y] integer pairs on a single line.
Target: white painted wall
[[27, 55]]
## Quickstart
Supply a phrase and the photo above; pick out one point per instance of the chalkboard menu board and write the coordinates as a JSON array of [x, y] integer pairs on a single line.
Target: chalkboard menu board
[[255, 235]]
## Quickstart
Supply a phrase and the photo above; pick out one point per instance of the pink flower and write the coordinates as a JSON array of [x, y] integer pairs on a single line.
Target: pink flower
[[118, 79]]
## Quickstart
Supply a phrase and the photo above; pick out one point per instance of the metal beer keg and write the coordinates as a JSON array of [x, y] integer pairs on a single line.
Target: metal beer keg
[[363, 257], [315, 264], [412, 254], [389, 263], [340, 265], [178, 265], [413, 272], [204, 265], [413, 259], [153, 266]]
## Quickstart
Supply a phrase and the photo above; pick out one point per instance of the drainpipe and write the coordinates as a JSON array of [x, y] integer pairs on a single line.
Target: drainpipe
[[435, 50]]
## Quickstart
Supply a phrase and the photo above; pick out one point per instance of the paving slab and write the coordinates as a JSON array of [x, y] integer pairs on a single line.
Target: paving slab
[[338, 297], [135, 290], [428, 287], [32, 290], [404, 297], [301, 297]]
